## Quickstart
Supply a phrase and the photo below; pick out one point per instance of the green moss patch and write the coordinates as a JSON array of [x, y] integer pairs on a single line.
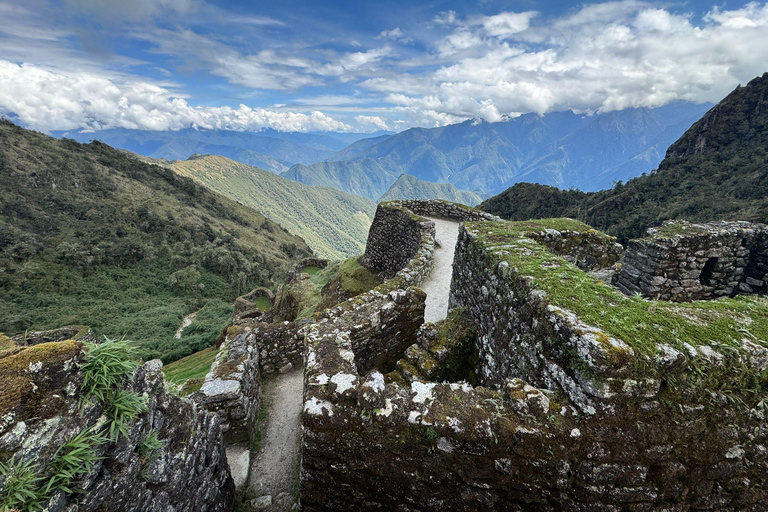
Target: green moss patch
[[356, 279], [641, 323], [31, 377]]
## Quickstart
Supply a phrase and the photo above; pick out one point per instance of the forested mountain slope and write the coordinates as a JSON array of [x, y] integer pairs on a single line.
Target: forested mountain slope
[[718, 169], [92, 236], [334, 223]]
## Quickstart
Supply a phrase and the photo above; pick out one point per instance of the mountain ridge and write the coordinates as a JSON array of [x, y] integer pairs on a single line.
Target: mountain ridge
[[560, 148], [718, 169]]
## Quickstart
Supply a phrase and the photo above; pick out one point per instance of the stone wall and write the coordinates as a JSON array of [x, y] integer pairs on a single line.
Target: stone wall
[[520, 334], [189, 473], [684, 262], [589, 250], [571, 418], [442, 209], [393, 223]]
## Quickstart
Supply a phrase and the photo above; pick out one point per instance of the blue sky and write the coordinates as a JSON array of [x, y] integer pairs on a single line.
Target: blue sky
[[362, 66]]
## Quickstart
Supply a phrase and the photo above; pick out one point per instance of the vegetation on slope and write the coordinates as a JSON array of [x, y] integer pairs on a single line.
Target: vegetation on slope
[[89, 235], [717, 170], [411, 187], [334, 223]]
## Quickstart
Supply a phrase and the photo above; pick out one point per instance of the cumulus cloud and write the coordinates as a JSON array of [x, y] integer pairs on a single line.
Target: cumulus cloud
[[377, 122], [602, 57], [396, 34], [49, 100]]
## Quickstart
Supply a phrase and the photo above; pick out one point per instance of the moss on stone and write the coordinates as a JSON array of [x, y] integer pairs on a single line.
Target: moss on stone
[[641, 323], [32, 378]]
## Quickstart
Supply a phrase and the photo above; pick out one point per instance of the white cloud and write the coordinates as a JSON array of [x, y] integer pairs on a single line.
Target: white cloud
[[396, 34], [605, 57], [49, 100], [506, 23], [374, 121]]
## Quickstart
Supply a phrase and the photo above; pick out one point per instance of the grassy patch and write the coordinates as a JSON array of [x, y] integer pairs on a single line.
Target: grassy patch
[[307, 291], [194, 366], [641, 323], [313, 271], [357, 279], [263, 303]]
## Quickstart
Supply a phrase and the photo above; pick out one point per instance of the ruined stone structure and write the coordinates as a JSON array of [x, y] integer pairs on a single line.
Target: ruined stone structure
[[569, 417], [41, 411], [683, 262]]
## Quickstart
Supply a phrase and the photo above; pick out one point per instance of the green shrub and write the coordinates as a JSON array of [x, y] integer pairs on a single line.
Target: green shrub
[[121, 410], [106, 367]]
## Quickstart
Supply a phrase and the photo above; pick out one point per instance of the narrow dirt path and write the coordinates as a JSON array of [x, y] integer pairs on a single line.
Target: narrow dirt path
[[438, 285], [275, 468], [186, 322]]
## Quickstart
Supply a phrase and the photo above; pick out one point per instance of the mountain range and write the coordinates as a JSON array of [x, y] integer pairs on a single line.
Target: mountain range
[[268, 149], [411, 187], [718, 169], [565, 149]]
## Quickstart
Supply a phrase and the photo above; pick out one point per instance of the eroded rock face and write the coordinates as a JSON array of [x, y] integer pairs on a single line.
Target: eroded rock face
[[189, 473], [684, 262]]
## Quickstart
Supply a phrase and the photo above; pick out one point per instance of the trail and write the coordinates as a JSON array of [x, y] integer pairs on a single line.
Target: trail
[[184, 324], [438, 285], [275, 468]]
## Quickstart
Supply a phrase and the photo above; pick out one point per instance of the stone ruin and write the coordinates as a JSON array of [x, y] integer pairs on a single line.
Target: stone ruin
[[683, 262], [515, 402], [522, 399]]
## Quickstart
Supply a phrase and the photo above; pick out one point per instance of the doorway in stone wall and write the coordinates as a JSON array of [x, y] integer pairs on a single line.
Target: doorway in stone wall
[[705, 277]]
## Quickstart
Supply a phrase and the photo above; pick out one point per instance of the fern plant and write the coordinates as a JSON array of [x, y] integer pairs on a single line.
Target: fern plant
[[20, 486]]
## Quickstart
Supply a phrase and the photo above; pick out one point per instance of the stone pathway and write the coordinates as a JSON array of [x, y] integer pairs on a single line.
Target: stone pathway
[[438, 284], [274, 471]]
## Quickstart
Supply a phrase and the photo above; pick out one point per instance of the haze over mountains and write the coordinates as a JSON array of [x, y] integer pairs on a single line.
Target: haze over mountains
[[267, 149], [562, 149]]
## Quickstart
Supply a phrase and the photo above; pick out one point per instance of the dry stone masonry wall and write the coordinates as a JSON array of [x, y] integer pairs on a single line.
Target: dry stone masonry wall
[[42, 411], [570, 417], [684, 262]]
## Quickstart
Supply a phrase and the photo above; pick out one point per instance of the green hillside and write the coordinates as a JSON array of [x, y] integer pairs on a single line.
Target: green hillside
[[334, 223], [717, 170], [411, 187], [92, 236]]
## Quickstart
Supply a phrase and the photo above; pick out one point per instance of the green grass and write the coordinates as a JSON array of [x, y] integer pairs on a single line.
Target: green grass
[[313, 271], [194, 366], [20, 490], [641, 323], [357, 279], [308, 291], [263, 303]]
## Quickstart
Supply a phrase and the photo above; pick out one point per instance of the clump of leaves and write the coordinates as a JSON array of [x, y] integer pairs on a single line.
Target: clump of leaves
[[105, 367], [121, 410], [20, 486], [149, 446], [74, 458], [148, 450]]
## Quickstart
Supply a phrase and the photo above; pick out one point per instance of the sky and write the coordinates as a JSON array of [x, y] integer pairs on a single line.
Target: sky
[[360, 66]]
